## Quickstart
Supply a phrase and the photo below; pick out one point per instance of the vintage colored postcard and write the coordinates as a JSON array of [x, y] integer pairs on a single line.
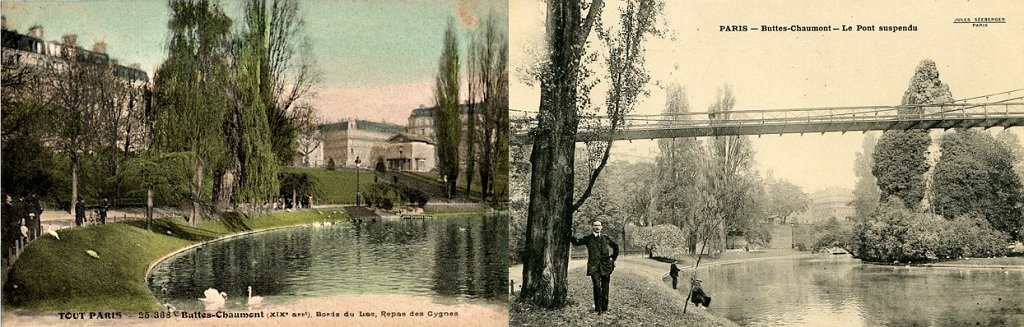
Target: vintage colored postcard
[[767, 163], [255, 163]]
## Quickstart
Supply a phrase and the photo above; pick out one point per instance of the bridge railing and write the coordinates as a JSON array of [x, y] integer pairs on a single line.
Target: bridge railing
[[1003, 105]]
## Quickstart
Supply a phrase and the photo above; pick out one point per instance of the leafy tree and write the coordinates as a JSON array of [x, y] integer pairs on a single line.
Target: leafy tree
[[447, 124], [258, 165], [901, 156], [727, 180], [286, 70], [898, 234], [191, 88], [78, 88], [164, 176], [661, 238], [678, 163], [783, 199], [866, 192], [488, 82], [975, 176], [1010, 140], [564, 93], [299, 184]]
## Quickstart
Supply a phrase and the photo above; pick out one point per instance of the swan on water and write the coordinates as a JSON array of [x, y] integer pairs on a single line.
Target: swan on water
[[254, 300], [214, 300]]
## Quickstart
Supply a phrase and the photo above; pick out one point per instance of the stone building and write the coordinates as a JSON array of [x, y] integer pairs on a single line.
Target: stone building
[[410, 152], [421, 122], [345, 141], [828, 203]]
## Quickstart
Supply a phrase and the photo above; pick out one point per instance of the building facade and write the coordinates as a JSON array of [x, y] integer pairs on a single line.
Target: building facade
[[421, 122], [409, 152], [345, 141], [829, 203]]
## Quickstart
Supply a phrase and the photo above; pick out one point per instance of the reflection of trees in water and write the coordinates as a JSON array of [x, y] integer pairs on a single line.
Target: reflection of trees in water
[[913, 296], [494, 230], [255, 261], [462, 257], [470, 257], [393, 232], [447, 268]]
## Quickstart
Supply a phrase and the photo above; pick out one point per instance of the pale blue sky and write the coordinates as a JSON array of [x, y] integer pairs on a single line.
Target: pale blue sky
[[377, 58]]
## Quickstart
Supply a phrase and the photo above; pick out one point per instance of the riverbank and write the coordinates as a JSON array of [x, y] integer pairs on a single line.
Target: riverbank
[[59, 275], [634, 300], [638, 277], [1004, 263]]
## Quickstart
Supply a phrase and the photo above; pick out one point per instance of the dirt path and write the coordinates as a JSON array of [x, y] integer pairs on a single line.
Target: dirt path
[[651, 269]]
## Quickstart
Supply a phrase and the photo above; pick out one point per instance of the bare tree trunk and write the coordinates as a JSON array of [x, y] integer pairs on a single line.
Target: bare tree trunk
[[197, 191], [149, 208], [74, 185]]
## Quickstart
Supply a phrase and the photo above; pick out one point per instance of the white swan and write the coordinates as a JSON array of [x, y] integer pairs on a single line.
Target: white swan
[[254, 300], [213, 301]]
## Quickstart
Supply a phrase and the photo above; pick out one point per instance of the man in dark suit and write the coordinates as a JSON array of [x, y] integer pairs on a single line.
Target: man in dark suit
[[600, 262]]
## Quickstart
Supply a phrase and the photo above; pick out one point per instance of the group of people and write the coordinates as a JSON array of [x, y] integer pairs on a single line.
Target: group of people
[[23, 211], [305, 201], [602, 252], [100, 211]]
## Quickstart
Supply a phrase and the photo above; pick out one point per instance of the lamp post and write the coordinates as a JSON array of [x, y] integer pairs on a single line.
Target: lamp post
[[357, 179]]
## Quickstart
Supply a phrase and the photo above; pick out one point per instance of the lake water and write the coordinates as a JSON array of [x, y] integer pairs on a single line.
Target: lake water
[[840, 291], [453, 260]]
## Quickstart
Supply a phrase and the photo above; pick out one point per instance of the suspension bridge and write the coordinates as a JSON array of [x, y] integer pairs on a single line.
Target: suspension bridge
[[1004, 109]]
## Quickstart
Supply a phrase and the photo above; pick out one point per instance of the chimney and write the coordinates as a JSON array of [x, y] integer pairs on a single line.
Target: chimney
[[3, 22], [114, 62], [70, 40], [36, 32], [100, 47]]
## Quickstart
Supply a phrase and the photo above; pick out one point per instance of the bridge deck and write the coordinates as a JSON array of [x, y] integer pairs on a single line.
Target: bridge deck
[[1002, 113]]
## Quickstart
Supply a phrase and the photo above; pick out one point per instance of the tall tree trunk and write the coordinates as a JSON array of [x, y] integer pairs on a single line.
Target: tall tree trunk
[[549, 214], [197, 191], [149, 208], [471, 139], [74, 184]]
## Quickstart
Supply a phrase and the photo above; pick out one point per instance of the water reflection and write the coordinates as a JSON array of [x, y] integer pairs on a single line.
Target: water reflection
[[840, 291], [452, 259]]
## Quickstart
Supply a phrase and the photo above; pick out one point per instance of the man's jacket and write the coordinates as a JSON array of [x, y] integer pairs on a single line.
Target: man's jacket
[[601, 253]]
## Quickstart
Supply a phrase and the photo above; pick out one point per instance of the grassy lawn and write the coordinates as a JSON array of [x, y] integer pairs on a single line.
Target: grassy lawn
[[58, 275], [633, 301], [500, 183], [339, 185]]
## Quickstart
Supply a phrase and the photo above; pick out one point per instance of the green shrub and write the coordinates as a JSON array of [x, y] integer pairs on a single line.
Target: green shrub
[[897, 234], [383, 195], [415, 196]]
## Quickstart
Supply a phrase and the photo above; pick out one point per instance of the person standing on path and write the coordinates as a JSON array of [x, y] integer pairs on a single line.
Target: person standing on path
[[79, 212], [601, 255], [674, 272], [104, 206]]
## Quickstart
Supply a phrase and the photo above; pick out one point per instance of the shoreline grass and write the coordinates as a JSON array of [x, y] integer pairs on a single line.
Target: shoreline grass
[[58, 275], [634, 300]]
